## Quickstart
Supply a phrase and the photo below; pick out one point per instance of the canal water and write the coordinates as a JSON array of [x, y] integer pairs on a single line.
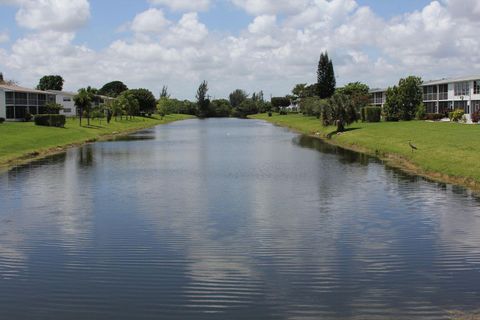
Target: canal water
[[232, 219]]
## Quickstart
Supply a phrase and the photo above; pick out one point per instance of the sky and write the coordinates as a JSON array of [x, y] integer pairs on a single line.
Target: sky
[[254, 45]]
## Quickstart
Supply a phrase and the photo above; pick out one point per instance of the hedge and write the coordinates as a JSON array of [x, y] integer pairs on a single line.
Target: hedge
[[50, 120], [2, 120], [371, 114]]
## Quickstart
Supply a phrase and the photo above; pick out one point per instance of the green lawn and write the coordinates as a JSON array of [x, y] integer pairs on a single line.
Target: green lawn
[[20, 140], [450, 149]]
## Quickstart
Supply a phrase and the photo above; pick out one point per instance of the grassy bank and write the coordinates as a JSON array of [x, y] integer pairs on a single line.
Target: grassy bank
[[448, 152], [23, 141]]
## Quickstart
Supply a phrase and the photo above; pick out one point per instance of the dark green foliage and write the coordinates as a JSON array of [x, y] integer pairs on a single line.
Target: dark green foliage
[[50, 120], [203, 103], [28, 117], [51, 82], [421, 112], [434, 116], [164, 93], [246, 108], [358, 92], [410, 96], [146, 100], [83, 101], [270, 114], [53, 108], [2, 120], [326, 82], [339, 111], [237, 97], [280, 102], [113, 89], [371, 114], [391, 107], [312, 106], [220, 108]]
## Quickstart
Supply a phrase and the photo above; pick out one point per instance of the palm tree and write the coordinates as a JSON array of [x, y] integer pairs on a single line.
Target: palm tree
[[340, 111], [83, 101]]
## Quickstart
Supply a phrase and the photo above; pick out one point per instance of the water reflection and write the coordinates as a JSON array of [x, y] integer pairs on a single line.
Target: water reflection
[[228, 218]]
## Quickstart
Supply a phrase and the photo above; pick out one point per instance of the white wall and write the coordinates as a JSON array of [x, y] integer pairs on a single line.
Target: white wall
[[69, 108]]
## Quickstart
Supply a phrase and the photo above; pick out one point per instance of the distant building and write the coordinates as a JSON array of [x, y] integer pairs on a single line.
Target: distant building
[[444, 95], [16, 102]]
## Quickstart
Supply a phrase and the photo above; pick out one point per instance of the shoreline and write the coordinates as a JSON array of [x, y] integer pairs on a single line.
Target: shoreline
[[43, 153], [390, 159]]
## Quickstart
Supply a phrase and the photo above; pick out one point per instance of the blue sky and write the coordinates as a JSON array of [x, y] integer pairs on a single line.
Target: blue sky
[[252, 44]]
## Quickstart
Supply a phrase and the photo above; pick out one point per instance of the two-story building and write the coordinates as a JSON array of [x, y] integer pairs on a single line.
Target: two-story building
[[65, 99], [444, 95], [16, 102]]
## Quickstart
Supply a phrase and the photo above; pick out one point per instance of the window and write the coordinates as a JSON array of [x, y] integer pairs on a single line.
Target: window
[[476, 87], [443, 92], [462, 89], [67, 99], [9, 97], [67, 110], [10, 114], [430, 93]]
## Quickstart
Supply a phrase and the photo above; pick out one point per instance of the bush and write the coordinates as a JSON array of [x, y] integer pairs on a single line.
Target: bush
[[456, 115], [476, 117], [2, 120], [283, 112], [392, 118], [28, 117], [270, 114], [371, 114], [50, 120], [421, 112], [434, 116]]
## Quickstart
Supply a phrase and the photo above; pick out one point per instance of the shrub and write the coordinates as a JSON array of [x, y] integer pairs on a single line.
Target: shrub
[[283, 112], [434, 116], [270, 114], [476, 117], [420, 112], [371, 114], [392, 118], [456, 115], [28, 117], [50, 120], [2, 120]]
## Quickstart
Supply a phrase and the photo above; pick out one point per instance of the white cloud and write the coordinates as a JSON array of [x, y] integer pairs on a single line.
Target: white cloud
[[261, 7], [183, 5], [149, 21], [271, 53], [52, 14]]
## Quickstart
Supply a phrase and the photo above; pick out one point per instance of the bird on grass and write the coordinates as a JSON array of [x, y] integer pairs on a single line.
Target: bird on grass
[[412, 146]]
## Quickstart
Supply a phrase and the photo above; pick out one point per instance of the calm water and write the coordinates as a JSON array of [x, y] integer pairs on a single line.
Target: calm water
[[232, 219]]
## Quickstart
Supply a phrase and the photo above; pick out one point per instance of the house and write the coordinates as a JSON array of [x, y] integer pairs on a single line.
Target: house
[[444, 95], [16, 102]]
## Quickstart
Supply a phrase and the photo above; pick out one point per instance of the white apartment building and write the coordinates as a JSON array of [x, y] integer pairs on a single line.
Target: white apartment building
[[65, 99], [444, 95], [16, 102]]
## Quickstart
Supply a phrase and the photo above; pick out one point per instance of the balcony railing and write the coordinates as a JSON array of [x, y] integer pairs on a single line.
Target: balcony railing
[[443, 96], [430, 97]]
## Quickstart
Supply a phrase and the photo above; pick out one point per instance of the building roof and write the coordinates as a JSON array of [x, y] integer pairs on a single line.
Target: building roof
[[450, 80], [64, 93], [376, 90], [13, 87]]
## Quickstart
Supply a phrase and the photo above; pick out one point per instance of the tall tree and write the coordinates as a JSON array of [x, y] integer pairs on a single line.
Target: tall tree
[[410, 96], [203, 102], [83, 101], [325, 76], [146, 100], [339, 111], [391, 108], [358, 92], [164, 93], [237, 97], [51, 82], [113, 89], [129, 103]]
